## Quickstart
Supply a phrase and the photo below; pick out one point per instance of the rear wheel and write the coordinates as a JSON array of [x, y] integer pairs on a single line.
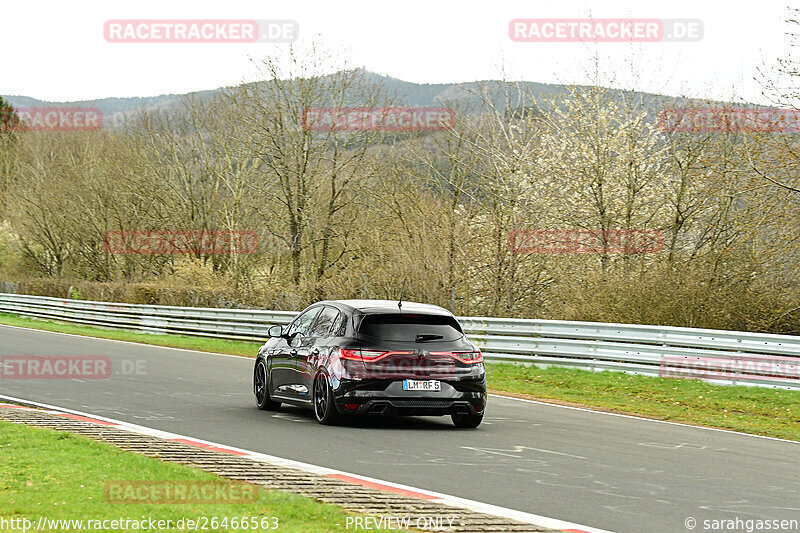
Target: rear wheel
[[464, 420], [261, 388], [324, 409]]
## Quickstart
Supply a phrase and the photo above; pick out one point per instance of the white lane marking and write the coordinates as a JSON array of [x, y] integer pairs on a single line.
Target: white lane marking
[[439, 497], [517, 450], [634, 417], [680, 446], [287, 417], [537, 402]]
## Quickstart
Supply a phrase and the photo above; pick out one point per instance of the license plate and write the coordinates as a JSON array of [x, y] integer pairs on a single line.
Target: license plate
[[430, 384]]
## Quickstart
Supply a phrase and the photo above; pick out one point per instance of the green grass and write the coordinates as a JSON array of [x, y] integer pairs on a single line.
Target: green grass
[[761, 411], [62, 476], [175, 341]]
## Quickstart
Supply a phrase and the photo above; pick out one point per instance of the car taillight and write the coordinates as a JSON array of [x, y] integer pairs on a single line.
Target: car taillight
[[465, 357], [369, 356], [349, 354]]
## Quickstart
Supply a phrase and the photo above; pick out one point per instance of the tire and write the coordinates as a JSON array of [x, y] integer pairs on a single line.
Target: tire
[[261, 388], [466, 421], [324, 408]]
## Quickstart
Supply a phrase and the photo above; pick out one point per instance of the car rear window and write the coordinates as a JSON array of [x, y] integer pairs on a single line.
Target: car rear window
[[411, 328]]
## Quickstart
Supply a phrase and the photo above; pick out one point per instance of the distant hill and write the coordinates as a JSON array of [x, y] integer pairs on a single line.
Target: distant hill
[[113, 109], [404, 93]]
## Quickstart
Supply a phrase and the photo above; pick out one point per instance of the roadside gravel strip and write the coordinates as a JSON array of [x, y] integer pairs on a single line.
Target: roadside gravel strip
[[353, 493]]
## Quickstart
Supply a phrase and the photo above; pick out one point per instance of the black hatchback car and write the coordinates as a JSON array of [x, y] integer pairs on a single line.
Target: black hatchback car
[[374, 357]]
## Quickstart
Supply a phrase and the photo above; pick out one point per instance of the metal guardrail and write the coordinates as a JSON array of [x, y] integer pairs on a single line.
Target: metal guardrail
[[725, 357]]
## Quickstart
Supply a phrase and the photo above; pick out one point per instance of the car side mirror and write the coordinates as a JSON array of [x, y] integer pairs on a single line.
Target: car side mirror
[[275, 331]]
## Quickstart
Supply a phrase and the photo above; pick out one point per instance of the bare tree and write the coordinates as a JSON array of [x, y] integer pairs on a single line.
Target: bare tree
[[309, 177]]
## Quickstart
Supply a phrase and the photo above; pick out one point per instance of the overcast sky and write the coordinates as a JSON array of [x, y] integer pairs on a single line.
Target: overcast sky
[[55, 50]]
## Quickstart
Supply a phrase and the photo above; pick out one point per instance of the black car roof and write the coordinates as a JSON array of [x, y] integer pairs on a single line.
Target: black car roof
[[388, 306]]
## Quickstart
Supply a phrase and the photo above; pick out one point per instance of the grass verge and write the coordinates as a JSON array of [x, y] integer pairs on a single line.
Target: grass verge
[[60, 476], [761, 411], [173, 341], [757, 410]]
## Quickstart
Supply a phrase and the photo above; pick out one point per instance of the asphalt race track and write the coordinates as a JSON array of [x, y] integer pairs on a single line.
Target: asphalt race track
[[617, 473]]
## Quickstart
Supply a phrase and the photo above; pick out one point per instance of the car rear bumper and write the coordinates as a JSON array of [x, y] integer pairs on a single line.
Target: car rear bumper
[[410, 408], [387, 397]]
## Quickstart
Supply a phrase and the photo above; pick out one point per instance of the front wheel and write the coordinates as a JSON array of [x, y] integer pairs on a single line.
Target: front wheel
[[324, 409], [261, 388], [462, 420]]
